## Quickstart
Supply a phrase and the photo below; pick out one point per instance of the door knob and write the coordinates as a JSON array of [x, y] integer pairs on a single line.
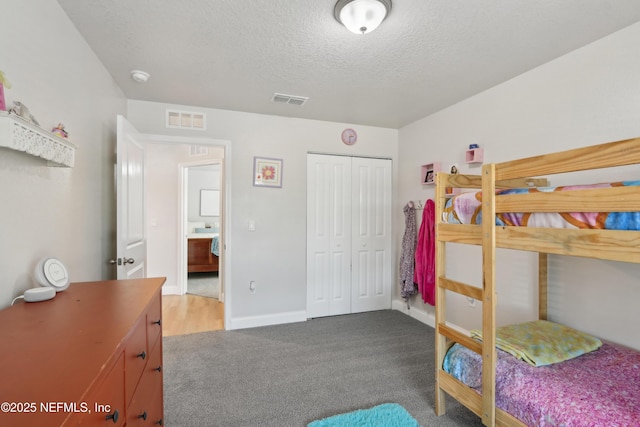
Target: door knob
[[121, 261]]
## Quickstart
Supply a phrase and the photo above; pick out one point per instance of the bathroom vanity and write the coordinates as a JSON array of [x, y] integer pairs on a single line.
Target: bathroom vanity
[[200, 255]]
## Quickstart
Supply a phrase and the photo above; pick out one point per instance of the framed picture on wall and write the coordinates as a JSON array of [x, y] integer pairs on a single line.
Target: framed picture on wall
[[267, 172]]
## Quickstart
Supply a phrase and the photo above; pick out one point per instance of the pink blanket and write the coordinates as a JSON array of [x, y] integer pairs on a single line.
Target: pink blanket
[[600, 388]]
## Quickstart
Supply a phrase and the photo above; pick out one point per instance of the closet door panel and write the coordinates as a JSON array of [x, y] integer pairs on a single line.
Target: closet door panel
[[328, 235], [371, 237]]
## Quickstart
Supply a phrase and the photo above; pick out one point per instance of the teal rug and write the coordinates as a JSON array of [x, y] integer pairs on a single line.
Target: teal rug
[[385, 415]]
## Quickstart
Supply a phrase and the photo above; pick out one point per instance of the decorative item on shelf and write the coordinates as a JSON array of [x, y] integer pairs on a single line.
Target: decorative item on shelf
[[428, 173], [22, 111], [450, 191], [267, 172], [60, 131], [4, 83], [475, 154]]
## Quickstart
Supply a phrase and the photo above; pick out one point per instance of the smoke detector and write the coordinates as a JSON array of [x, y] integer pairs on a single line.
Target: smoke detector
[[139, 76]]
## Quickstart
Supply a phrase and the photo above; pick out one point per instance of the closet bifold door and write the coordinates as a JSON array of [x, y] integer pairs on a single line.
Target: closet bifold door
[[348, 234], [370, 234], [328, 235]]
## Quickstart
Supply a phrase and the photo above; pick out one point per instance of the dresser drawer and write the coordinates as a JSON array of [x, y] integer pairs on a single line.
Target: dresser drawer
[[146, 408], [154, 321], [136, 355], [106, 403]]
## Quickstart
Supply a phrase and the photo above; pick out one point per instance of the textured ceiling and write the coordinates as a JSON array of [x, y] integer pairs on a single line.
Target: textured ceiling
[[427, 55]]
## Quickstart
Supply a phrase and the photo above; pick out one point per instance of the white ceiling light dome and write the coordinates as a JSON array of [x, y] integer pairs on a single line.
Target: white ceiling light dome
[[361, 16]]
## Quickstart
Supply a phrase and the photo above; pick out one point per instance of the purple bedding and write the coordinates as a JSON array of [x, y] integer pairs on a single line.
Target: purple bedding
[[600, 388]]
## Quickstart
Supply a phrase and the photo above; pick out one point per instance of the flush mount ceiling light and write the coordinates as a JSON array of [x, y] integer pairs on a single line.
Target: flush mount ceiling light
[[139, 76], [361, 16]]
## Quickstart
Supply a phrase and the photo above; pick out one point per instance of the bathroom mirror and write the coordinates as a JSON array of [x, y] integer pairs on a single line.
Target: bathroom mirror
[[209, 202]]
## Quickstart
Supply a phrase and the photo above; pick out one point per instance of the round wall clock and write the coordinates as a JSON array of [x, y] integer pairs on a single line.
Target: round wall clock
[[349, 136]]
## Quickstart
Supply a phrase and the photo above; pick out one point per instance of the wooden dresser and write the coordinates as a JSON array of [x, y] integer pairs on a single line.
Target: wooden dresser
[[91, 356]]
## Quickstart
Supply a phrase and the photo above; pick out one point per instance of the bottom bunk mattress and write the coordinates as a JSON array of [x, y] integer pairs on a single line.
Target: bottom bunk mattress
[[600, 388]]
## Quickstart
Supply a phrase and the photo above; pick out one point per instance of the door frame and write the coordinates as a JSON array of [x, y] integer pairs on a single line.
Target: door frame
[[225, 206], [183, 252]]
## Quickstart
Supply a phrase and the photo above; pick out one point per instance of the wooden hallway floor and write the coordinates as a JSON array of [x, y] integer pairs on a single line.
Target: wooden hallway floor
[[188, 314]]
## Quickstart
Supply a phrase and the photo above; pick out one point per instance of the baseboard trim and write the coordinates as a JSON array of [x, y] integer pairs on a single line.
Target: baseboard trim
[[170, 290], [267, 320], [422, 316]]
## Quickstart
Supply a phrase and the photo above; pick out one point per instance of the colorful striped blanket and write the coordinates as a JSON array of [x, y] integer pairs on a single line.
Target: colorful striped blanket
[[466, 208]]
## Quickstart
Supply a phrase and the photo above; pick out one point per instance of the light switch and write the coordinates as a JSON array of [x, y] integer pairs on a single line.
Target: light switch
[[252, 225]]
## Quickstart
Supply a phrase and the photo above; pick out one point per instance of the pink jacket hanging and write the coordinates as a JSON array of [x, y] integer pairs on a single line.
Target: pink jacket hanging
[[425, 268]]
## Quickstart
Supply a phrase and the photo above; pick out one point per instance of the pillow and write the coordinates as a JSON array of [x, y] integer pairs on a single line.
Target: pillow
[[541, 342], [464, 365]]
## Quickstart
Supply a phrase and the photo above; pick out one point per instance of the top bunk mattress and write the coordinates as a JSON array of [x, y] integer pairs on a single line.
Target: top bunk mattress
[[466, 208]]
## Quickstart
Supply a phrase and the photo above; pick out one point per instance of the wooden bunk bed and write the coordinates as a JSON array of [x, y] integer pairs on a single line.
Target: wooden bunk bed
[[618, 245]]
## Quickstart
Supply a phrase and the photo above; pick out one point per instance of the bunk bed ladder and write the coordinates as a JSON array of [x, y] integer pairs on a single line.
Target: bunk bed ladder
[[443, 331]]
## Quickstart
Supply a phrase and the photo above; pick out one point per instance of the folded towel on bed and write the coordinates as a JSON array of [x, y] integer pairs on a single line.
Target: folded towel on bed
[[541, 342]]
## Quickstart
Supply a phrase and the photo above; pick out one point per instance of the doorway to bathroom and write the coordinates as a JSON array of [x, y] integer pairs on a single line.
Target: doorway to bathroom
[[202, 217], [170, 226]]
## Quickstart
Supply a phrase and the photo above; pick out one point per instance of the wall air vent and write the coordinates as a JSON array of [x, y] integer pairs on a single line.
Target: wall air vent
[[198, 150], [289, 99], [186, 120]]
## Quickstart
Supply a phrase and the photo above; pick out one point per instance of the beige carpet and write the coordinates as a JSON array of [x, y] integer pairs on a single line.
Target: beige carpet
[[204, 284]]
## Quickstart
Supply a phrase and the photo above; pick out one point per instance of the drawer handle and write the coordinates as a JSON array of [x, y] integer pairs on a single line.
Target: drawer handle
[[159, 369], [142, 355], [159, 422], [157, 322], [113, 417], [143, 415]]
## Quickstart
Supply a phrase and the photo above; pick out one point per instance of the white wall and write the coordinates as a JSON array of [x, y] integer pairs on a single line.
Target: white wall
[[274, 255], [64, 212], [589, 96]]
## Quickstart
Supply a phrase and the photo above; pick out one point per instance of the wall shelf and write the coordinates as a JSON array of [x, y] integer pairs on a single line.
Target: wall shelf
[[428, 173], [19, 135], [474, 155]]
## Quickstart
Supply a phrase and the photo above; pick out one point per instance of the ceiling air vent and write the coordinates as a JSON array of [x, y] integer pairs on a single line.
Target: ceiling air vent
[[289, 99], [186, 120]]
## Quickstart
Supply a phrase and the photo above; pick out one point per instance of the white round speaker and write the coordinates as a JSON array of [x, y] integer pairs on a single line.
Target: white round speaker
[[51, 272], [39, 294]]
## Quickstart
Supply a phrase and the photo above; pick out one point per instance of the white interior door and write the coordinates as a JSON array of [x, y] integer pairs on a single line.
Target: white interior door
[[371, 234], [348, 234], [131, 246], [328, 235]]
